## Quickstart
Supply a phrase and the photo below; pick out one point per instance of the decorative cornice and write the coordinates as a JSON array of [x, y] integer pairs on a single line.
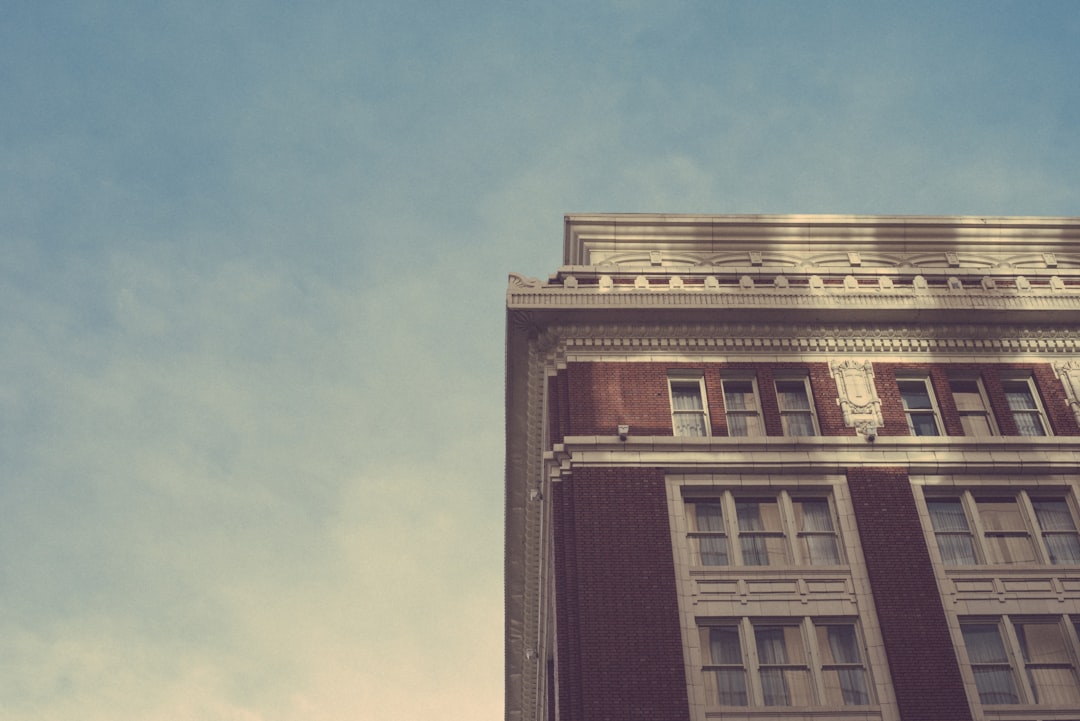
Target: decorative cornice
[[819, 338]]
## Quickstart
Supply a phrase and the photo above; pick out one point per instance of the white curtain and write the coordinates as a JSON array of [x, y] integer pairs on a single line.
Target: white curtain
[[713, 549], [690, 413], [724, 649], [951, 529], [989, 664], [754, 547], [844, 646], [819, 538], [1059, 530], [772, 651]]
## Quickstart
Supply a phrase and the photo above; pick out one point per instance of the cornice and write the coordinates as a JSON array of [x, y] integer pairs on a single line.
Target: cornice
[[728, 338]]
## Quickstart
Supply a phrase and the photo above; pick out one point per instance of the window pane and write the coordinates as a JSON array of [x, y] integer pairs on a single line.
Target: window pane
[[744, 425], [1007, 539], [951, 530], [791, 395], [846, 687], [989, 663], [760, 536], [1049, 663], [798, 425], [689, 424], [1029, 424], [914, 395], [923, 424], [785, 680], [739, 395], [730, 686], [976, 426], [726, 685], [724, 645], [1019, 396], [686, 397], [1059, 529], [966, 394], [816, 535], [688, 408]]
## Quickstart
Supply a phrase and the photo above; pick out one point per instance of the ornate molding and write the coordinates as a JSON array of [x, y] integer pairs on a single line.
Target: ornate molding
[[1068, 372], [856, 395], [822, 338]]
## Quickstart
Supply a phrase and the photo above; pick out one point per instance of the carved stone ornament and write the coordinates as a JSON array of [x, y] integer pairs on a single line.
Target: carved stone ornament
[[1068, 372], [856, 395], [517, 280]]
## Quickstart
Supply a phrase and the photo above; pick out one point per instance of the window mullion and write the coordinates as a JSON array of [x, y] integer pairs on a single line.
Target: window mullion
[[1034, 529], [731, 526], [814, 659], [787, 526], [975, 523], [756, 695], [1016, 660]]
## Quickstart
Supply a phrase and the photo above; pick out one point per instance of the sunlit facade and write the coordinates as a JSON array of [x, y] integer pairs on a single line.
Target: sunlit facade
[[794, 468]]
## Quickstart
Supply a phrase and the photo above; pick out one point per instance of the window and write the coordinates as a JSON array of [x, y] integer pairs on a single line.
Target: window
[[796, 405], [973, 406], [998, 527], [741, 407], [1025, 406], [788, 662], [777, 530], [1043, 648], [689, 414], [919, 406]]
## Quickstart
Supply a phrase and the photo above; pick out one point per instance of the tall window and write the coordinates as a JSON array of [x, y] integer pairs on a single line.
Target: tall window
[[689, 414], [973, 406], [919, 406], [1044, 646], [1025, 406], [786, 662], [742, 408], [777, 530], [796, 406], [999, 527]]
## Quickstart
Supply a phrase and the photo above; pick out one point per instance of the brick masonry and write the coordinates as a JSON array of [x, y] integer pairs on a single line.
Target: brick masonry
[[925, 671], [619, 644]]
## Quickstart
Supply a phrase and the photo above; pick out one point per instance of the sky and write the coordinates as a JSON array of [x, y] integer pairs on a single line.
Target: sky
[[253, 261]]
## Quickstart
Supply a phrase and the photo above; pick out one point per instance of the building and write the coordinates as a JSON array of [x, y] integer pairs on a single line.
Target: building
[[795, 467]]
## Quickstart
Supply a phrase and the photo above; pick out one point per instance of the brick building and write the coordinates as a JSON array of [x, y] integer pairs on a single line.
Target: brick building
[[795, 467]]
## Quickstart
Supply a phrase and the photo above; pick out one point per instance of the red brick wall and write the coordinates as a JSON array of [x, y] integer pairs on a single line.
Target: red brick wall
[[925, 672], [617, 617], [601, 396]]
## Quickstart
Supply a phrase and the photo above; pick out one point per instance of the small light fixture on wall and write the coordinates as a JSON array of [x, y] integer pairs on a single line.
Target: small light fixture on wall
[[624, 431]]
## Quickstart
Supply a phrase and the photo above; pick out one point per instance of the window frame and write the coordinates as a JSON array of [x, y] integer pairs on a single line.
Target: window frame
[[986, 412], [811, 661], [797, 548], [795, 377], [1038, 412], [979, 535], [1010, 629], [688, 379], [755, 412], [934, 411]]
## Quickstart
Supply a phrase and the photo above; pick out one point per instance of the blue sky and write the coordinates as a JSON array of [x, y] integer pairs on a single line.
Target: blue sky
[[252, 279]]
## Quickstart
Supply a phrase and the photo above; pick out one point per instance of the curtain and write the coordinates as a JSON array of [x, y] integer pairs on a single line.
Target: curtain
[[844, 646], [754, 547], [818, 536], [989, 663], [951, 529], [773, 651], [1059, 530], [713, 549], [690, 413], [1049, 663], [724, 649]]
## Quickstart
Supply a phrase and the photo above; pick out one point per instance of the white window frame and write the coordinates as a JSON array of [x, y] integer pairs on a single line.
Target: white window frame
[[754, 412], [1038, 412], [985, 412], [979, 534], [932, 411], [688, 379], [813, 661], [1020, 668], [794, 546], [786, 412]]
